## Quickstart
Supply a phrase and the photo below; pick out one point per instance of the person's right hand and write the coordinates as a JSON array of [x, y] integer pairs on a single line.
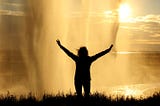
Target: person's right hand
[[58, 42]]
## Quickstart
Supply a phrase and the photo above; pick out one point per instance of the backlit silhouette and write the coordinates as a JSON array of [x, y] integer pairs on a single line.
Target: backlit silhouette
[[83, 62]]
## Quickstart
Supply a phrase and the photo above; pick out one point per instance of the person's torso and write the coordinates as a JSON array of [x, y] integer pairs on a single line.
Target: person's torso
[[83, 68]]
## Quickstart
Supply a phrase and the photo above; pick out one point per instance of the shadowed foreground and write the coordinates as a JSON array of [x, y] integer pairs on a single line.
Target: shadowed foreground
[[96, 99]]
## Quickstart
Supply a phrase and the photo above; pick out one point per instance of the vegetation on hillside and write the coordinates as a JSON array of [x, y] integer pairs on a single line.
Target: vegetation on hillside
[[95, 99]]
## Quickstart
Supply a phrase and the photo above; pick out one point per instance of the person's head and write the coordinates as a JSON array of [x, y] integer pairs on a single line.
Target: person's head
[[82, 51]]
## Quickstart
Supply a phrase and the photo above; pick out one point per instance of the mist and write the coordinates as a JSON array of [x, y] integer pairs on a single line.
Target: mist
[[75, 23], [34, 62]]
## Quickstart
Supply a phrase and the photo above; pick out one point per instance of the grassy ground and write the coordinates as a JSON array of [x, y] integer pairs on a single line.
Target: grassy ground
[[96, 99]]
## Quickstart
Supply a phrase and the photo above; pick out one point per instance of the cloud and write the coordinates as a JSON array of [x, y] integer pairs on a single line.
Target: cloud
[[18, 5], [143, 32], [13, 13], [151, 18], [15, 8], [148, 23]]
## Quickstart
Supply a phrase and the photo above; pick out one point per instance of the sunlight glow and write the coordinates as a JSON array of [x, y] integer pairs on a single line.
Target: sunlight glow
[[129, 92], [124, 12], [132, 92]]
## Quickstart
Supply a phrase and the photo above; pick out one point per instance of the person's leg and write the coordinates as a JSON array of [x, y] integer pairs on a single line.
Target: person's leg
[[78, 87], [87, 86]]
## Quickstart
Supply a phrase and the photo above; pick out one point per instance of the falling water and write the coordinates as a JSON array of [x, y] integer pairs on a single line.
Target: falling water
[[35, 62], [30, 59], [75, 23]]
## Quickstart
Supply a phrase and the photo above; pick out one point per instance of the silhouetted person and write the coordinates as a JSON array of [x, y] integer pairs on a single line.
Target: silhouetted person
[[83, 62]]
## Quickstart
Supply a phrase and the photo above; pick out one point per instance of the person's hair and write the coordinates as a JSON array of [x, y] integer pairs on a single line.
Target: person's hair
[[82, 51]]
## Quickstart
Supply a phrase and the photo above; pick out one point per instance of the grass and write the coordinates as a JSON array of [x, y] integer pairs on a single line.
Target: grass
[[95, 99]]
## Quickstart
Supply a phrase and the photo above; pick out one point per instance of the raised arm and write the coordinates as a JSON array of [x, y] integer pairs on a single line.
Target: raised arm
[[70, 54], [93, 58]]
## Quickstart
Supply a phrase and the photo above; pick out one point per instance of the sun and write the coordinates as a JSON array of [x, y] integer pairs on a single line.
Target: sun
[[124, 12]]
